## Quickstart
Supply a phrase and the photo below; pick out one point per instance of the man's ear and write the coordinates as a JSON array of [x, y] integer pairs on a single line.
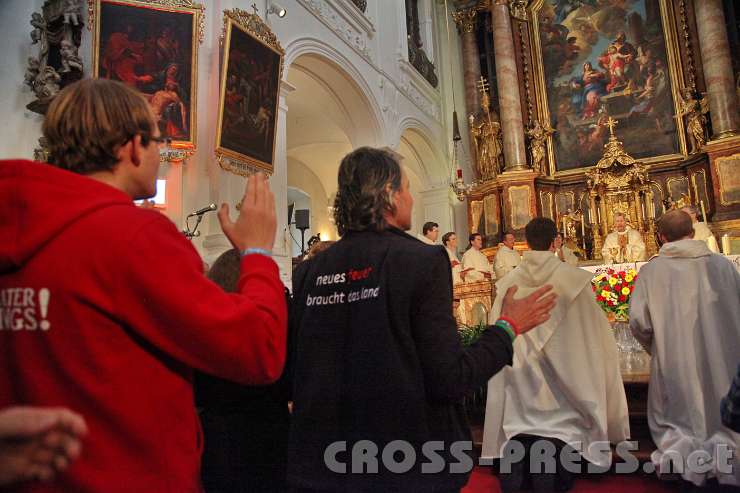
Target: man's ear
[[125, 152], [137, 150]]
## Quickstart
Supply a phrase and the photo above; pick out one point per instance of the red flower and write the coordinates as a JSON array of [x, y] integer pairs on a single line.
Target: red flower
[[621, 274], [622, 298]]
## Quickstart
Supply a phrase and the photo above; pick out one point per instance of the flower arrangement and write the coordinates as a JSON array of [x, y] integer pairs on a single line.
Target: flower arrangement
[[613, 291]]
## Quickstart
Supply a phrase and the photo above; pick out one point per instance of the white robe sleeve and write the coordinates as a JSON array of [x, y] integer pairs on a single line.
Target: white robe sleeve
[[635, 247]]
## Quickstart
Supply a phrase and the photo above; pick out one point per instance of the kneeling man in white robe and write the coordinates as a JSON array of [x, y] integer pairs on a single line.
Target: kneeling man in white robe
[[624, 244], [564, 384], [685, 310]]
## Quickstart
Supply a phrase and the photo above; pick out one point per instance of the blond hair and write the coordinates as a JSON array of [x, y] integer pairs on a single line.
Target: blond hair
[[89, 121]]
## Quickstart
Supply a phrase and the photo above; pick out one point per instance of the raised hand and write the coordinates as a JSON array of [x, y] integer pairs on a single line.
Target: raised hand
[[255, 226]]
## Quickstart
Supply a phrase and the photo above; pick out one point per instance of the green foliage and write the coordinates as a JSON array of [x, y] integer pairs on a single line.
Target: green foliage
[[470, 333]]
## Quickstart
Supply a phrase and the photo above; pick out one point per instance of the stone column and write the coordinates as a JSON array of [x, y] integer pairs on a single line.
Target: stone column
[[465, 20], [512, 126], [715, 54]]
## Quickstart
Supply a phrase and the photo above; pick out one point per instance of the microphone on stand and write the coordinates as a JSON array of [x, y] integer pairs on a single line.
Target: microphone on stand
[[200, 212]]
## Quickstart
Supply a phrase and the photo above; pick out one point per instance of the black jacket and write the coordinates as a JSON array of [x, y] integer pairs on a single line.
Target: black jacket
[[378, 357]]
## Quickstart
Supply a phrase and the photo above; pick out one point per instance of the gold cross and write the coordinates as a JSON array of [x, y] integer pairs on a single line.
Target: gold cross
[[611, 123], [483, 85]]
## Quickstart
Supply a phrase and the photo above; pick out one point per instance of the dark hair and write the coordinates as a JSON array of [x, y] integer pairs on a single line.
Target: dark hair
[[675, 225], [428, 226], [362, 199], [540, 233], [225, 270], [506, 233], [472, 237], [446, 237], [88, 122]]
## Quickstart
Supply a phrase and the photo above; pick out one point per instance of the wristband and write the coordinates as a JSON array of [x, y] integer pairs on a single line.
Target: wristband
[[259, 251], [503, 324], [511, 323]]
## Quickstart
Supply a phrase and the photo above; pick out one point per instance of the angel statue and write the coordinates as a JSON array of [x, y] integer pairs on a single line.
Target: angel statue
[[538, 134], [696, 121]]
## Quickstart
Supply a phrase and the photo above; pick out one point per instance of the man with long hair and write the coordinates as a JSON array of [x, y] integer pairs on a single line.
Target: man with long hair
[[378, 355]]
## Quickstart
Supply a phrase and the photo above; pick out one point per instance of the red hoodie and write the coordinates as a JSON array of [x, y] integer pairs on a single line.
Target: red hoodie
[[104, 309]]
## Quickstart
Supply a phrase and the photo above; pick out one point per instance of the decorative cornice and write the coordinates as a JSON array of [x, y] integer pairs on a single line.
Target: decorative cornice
[[346, 22]]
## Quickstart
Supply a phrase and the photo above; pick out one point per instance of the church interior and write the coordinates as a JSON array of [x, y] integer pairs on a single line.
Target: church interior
[[586, 112]]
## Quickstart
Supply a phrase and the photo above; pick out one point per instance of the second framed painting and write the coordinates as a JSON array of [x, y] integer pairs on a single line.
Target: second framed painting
[[248, 104], [152, 46]]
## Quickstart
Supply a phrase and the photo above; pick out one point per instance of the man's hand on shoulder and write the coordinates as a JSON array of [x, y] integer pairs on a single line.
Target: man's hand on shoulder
[[528, 312]]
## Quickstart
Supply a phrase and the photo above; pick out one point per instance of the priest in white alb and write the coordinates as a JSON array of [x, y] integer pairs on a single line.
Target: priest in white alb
[[475, 265], [685, 311], [624, 244], [449, 240], [429, 233], [507, 258], [564, 253], [701, 230], [564, 384]]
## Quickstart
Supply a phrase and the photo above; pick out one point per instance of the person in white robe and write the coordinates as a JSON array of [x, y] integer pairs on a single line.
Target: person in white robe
[[624, 244], [475, 265], [701, 230], [429, 233], [506, 258], [564, 382], [564, 253], [449, 240], [685, 311]]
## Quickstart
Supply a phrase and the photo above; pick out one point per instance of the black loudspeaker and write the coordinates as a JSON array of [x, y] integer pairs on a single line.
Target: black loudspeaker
[[301, 219]]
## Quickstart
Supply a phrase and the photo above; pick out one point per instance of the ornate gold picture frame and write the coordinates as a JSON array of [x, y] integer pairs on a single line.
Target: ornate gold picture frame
[[152, 45], [579, 81], [250, 88]]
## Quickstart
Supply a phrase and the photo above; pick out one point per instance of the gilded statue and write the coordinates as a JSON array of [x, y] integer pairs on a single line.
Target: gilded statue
[[696, 121], [487, 138], [538, 134]]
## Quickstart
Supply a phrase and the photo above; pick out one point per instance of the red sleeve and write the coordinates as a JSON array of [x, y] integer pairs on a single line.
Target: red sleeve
[[164, 297]]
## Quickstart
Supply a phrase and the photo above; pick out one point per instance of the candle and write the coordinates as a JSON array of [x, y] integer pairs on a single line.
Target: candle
[[725, 244], [565, 231], [583, 226], [459, 173], [703, 212]]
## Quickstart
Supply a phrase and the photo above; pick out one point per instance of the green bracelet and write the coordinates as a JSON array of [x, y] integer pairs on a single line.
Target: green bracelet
[[259, 251], [503, 324]]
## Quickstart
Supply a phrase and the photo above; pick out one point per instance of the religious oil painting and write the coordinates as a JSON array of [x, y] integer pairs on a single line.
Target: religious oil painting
[[601, 59], [152, 47], [249, 96]]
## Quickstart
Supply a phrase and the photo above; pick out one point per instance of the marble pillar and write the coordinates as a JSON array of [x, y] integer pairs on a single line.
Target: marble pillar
[[512, 126], [715, 54], [465, 20]]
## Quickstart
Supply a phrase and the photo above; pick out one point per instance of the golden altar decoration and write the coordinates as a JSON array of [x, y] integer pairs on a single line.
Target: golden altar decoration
[[472, 302], [618, 183]]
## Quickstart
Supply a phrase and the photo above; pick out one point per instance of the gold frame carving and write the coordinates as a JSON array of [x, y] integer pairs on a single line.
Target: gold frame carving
[[675, 72], [572, 194], [717, 163], [696, 187], [253, 26], [674, 179], [546, 195], [515, 225], [179, 150]]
